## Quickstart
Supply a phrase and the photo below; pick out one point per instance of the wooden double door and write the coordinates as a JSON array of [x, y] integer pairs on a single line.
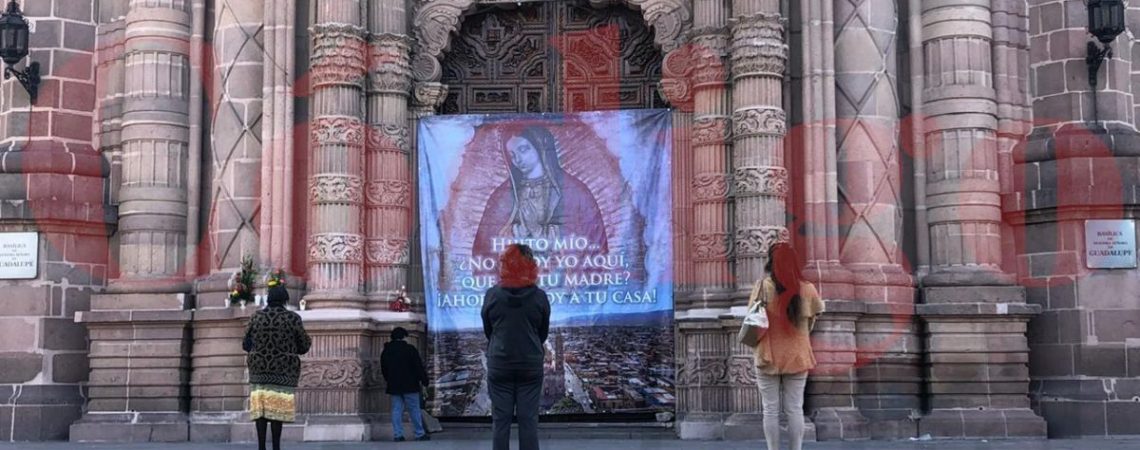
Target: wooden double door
[[563, 56]]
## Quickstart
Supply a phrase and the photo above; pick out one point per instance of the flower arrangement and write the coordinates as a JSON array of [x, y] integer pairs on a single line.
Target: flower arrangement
[[400, 303], [241, 283]]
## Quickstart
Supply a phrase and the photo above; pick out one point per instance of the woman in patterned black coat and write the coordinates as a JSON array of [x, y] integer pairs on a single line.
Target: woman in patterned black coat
[[275, 339]]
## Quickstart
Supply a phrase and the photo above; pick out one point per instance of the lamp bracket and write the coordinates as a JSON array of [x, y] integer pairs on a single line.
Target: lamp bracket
[[29, 78], [1095, 58]]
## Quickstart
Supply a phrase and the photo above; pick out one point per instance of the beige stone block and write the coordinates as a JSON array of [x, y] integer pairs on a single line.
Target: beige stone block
[[18, 334], [25, 300], [138, 301]]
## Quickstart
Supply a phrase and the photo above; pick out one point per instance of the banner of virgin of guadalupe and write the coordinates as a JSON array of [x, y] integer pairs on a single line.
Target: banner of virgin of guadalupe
[[590, 194]]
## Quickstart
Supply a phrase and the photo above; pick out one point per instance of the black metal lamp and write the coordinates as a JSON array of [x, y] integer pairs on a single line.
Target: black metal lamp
[[1106, 22], [14, 47]]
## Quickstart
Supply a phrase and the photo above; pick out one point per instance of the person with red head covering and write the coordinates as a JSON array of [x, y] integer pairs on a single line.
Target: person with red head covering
[[784, 354], [516, 321]]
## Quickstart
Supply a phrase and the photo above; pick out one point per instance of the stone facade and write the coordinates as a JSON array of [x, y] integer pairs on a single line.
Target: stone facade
[[933, 161]]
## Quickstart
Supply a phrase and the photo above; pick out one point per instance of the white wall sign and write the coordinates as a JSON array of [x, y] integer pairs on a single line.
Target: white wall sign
[[1110, 244], [19, 255]]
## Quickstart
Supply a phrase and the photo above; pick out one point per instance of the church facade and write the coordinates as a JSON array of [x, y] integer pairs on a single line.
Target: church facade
[[935, 163]]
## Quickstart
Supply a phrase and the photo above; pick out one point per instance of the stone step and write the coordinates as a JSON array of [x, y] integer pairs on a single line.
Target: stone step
[[564, 430]]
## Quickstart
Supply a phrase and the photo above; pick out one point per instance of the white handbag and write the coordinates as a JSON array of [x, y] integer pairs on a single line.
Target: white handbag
[[755, 324]]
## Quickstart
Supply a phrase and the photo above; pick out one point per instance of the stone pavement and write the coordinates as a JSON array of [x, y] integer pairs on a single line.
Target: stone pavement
[[595, 444]]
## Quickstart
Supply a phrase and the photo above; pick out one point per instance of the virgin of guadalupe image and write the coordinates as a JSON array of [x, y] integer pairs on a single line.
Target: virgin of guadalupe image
[[539, 200]]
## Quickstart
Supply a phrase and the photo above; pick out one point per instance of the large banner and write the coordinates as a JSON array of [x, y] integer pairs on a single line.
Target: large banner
[[590, 193]]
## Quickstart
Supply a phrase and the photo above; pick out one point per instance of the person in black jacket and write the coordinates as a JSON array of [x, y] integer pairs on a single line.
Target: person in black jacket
[[275, 339], [403, 369], [516, 321]]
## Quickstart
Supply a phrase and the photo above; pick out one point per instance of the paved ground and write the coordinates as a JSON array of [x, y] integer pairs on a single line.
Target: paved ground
[[618, 445]]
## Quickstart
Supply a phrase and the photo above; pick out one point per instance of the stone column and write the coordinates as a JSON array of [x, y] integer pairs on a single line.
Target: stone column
[[155, 137], [760, 179], [975, 317], [711, 243], [235, 161], [336, 236], [870, 210], [831, 394], [277, 147], [701, 71], [139, 344], [388, 191]]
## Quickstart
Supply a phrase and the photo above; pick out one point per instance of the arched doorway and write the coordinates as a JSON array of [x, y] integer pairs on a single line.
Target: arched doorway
[[551, 57]]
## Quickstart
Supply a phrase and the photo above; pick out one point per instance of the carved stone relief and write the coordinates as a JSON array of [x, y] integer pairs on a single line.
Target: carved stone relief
[[336, 247], [336, 189], [436, 20]]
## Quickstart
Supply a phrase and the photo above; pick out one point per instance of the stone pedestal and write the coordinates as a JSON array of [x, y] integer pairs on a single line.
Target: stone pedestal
[[889, 370], [977, 363], [218, 386], [140, 368], [831, 390]]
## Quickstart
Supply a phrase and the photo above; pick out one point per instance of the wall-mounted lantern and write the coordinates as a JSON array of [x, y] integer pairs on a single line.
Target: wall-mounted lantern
[[1106, 22], [14, 47]]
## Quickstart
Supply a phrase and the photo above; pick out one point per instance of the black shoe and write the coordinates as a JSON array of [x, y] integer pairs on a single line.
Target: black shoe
[[399, 439], [424, 438]]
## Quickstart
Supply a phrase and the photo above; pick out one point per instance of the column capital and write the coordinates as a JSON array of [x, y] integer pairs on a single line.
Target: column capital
[[427, 96], [389, 65], [758, 46]]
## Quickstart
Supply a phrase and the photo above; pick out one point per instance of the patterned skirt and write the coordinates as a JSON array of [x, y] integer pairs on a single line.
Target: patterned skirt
[[272, 402]]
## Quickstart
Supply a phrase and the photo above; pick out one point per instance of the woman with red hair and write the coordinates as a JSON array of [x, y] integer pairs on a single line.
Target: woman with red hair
[[516, 321], [784, 354]]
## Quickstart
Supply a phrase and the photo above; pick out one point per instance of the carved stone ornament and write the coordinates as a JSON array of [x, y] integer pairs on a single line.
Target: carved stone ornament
[[429, 95], [388, 136], [339, 55], [436, 20], [388, 252], [756, 241], [395, 193], [338, 131], [389, 71], [713, 246], [373, 375], [336, 189], [702, 372], [678, 92], [751, 181], [710, 186], [761, 121], [332, 373], [742, 371], [758, 46], [336, 247], [711, 131]]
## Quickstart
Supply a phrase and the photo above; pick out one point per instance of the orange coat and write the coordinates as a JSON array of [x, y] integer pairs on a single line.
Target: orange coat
[[782, 353]]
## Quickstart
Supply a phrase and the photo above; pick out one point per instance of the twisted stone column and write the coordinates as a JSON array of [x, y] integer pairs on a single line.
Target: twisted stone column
[[974, 316], [388, 191], [870, 210], [236, 138], [760, 179], [336, 186]]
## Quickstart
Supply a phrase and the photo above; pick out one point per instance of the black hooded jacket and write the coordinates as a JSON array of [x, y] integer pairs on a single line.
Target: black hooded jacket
[[516, 322], [402, 368]]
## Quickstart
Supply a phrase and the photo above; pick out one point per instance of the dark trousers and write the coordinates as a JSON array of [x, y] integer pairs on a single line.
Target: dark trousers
[[515, 394]]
